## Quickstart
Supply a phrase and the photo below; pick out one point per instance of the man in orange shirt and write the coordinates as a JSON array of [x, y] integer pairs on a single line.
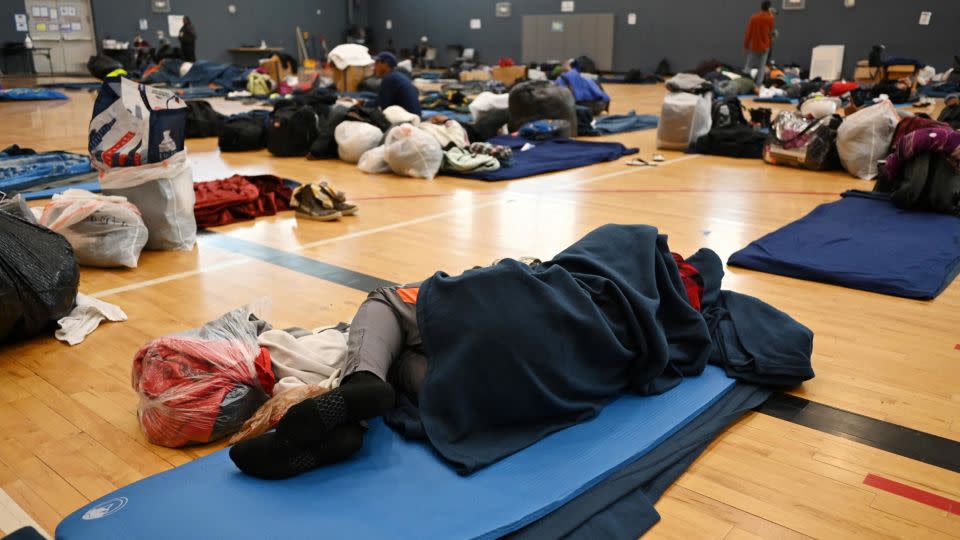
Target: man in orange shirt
[[756, 42]]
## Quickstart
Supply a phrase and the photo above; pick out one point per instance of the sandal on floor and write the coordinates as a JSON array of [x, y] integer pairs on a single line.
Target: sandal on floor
[[310, 203], [338, 199]]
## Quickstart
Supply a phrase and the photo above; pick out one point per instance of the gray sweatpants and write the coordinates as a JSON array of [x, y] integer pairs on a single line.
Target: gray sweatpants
[[757, 60], [385, 339]]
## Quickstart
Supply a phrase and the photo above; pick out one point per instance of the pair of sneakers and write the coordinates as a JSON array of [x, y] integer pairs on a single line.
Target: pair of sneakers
[[321, 202]]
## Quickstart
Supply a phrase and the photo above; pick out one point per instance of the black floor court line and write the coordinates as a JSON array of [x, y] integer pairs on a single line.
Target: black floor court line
[[297, 263], [903, 441]]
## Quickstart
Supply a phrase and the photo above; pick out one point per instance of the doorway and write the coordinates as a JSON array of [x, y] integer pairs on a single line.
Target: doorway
[[65, 27]]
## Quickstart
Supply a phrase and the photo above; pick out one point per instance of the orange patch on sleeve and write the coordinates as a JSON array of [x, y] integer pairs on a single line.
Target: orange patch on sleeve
[[409, 295]]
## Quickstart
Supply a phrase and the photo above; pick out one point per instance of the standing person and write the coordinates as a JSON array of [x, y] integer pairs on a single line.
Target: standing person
[[395, 87], [188, 41], [757, 41]]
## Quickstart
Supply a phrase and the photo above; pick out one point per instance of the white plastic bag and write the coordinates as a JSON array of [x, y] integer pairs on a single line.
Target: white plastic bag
[[135, 125], [164, 194], [488, 101], [396, 114], [411, 151], [373, 162], [104, 231], [447, 134], [864, 138], [355, 138], [684, 117]]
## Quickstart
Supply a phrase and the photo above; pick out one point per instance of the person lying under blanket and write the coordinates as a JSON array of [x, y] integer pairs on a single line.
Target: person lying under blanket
[[484, 364]]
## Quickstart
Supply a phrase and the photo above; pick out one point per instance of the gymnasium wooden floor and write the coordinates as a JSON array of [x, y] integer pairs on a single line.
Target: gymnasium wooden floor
[[68, 425]]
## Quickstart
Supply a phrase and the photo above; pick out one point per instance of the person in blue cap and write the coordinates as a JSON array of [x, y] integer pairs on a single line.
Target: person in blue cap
[[395, 87]]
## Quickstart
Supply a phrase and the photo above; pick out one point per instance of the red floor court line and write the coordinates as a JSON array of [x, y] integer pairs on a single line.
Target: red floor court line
[[505, 192], [912, 493]]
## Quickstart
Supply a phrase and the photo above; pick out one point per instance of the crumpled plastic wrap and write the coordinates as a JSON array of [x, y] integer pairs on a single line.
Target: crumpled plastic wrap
[[203, 384]]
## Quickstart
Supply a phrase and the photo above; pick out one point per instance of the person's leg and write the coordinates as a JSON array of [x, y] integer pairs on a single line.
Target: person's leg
[[761, 67], [326, 429], [750, 62], [376, 340]]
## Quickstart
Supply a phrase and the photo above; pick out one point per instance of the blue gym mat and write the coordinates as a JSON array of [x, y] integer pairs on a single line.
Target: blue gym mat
[[863, 242], [395, 488]]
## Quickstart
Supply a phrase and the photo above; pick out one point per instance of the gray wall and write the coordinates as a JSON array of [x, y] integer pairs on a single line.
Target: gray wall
[[8, 31], [686, 32], [217, 30]]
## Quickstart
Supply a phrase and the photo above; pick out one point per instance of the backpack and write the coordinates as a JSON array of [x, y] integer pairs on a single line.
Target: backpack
[[727, 113], [241, 133], [291, 130], [202, 120], [663, 68]]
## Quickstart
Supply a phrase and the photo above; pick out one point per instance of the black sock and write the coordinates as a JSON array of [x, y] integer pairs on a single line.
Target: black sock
[[272, 457], [361, 396]]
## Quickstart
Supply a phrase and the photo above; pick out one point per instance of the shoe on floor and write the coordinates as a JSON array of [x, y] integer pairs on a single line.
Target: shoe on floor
[[338, 198], [310, 203]]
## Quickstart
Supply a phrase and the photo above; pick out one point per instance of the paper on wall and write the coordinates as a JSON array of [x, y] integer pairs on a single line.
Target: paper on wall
[[174, 24], [475, 24], [21, 21]]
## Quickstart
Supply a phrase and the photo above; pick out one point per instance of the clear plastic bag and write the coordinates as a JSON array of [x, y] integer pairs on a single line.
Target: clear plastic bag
[[798, 141], [203, 384], [864, 139], [372, 161], [411, 151], [684, 118], [355, 138], [17, 206], [104, 231], [164, 194]]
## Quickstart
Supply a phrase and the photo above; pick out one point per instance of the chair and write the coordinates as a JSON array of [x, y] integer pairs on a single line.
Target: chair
[[430, 57]]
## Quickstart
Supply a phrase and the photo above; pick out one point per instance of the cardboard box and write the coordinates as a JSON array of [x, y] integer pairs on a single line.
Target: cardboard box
[[275, 69], [508, 75], [475, 75], [349, 79]]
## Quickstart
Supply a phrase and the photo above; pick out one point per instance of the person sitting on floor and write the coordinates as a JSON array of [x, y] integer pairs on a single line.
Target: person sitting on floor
[[395, 87], [586, 92]]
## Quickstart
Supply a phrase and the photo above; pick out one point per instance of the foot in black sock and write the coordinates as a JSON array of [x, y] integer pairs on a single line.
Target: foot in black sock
[[361, 396], [272, 457]]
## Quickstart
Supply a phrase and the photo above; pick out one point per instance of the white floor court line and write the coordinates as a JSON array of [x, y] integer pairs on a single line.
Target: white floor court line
[[12, 517], [384, 228]]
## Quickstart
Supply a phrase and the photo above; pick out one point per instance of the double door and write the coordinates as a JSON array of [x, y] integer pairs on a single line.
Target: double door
[[66, 28]]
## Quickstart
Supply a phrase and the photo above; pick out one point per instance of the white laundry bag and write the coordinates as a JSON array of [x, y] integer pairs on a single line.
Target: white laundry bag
[[164, 194], [864, 138], [372, 161], [104, 231], [684, 117], [355, 138], [411, 151]]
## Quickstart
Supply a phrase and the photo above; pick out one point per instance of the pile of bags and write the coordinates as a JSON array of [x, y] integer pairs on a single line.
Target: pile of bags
[[136, 142]]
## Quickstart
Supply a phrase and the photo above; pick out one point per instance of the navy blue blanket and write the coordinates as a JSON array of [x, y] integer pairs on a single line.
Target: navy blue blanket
[[622, 505], [549, 156], [517, 353], [864, 242], [201, 73]]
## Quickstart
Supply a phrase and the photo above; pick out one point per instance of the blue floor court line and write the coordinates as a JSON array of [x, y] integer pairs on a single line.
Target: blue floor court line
[[297, 263]]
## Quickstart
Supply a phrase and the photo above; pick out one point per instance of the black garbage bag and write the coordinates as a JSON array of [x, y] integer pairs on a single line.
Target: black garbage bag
[[39, 277], [202, 120], [541, 100]]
